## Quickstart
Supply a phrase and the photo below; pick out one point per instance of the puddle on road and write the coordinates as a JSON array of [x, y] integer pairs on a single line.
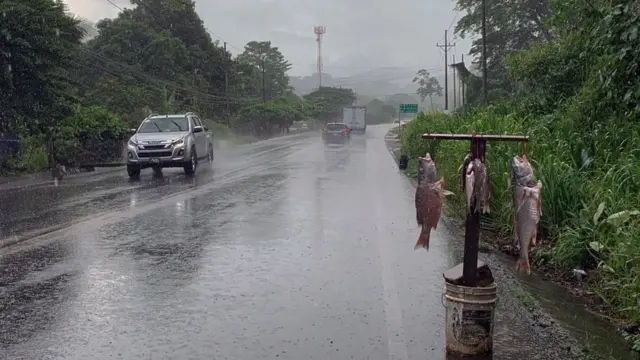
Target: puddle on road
[[593, 332]]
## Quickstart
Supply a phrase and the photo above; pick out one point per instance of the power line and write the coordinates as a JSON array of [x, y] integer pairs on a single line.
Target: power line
[[119, 76], [141, 3], [225, 69], [141, 73], [453, 20], [114, 4], [147, 78]]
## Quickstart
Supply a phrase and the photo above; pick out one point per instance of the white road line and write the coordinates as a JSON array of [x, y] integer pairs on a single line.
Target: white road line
[[392, 309]]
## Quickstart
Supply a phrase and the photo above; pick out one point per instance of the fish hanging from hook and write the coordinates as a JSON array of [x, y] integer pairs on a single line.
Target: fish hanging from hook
[[523, 148]]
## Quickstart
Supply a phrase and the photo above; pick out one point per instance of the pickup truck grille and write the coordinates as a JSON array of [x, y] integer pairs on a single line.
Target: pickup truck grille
[[155, 154], [154, 147]]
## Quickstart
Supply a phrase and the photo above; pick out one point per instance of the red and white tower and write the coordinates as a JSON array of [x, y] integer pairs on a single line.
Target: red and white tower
[[319, 31]]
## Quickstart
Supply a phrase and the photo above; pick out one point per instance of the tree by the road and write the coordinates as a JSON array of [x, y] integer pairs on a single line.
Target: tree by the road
[[264, 119], [379, 112], [269, 68], [509, 28], [571, 72], [35, 58], [156, 57], [142, 53], [330, 101], [428, 85]]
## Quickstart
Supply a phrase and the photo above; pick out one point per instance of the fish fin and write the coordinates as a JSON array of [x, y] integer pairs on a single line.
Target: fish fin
[[523, 264], [539, 206], [423, 239]]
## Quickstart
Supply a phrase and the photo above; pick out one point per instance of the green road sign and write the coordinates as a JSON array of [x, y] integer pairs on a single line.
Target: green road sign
[[408, 108]]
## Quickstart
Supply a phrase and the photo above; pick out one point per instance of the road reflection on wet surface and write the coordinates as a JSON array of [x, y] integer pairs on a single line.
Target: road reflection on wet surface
[[284, 250]]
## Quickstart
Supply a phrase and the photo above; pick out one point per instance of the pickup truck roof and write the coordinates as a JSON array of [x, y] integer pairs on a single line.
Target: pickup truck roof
[[170, 115]]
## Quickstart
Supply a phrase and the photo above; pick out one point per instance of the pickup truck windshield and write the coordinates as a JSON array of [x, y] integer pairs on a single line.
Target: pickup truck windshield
[[165, 124]]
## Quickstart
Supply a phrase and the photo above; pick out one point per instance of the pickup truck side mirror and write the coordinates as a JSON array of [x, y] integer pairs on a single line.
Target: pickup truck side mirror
[[197, 129], [133, 131]]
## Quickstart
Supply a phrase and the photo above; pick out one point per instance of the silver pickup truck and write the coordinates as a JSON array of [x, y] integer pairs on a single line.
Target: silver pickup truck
[[169, 141]]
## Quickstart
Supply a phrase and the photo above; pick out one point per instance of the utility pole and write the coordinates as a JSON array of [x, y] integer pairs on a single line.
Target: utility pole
[[484, 51], [226, 85], [454, 82], [462, 94], [446, 47], [264, 88]]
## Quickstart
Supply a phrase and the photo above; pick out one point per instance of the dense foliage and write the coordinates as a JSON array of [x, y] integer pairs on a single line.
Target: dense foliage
[[574, 88], [329, 102], [379, 112], [66, 92]]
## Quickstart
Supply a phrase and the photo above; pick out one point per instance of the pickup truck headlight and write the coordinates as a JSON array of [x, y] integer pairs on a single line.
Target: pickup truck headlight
[[133, 144], [179, 142]]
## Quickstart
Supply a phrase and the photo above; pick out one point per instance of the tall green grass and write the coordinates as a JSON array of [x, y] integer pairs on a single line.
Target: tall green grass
[[590, 194], [32, 157]]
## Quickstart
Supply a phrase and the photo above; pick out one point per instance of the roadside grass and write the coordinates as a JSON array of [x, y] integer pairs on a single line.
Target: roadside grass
[[590, 194], [527, 300], [588, 350], [31, 158]]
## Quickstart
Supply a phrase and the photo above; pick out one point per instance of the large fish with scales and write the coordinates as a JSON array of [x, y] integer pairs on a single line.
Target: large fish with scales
[[527, 208], [476, 186], [429, 197]]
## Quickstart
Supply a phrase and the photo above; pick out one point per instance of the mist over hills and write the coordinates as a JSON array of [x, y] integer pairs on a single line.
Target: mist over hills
[[372, 82], [389, 85]]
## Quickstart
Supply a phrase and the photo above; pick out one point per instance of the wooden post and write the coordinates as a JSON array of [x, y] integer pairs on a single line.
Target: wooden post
[[472, 225]]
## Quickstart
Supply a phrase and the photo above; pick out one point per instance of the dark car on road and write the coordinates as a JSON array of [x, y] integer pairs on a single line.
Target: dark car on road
[[336, 133]]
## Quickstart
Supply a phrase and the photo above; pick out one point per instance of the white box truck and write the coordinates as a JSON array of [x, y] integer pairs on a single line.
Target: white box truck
[[355, 118]]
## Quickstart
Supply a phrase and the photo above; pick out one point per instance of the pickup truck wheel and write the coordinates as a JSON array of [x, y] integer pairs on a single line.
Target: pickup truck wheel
[[133, 172], [190, 167], [210, 155]]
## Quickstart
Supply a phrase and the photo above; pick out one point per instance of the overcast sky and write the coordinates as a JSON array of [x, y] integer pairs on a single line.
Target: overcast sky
[[361, 34]]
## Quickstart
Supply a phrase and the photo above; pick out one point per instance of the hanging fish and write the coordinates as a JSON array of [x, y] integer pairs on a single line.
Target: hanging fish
[[527, 208], [463, 170], [527, 217], [477, 187], [428, 200], [522, 172]]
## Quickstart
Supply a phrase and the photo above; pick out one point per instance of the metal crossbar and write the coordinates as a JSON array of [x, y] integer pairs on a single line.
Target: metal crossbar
[[472, 224]]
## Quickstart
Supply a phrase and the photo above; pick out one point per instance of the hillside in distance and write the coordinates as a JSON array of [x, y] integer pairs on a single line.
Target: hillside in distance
[[381, 84]]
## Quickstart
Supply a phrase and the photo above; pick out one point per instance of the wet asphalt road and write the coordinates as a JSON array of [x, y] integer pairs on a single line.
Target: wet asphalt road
[[284, 250]]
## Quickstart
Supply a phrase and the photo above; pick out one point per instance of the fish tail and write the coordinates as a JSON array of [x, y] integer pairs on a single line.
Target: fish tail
[[423, 239], [523, 264]]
